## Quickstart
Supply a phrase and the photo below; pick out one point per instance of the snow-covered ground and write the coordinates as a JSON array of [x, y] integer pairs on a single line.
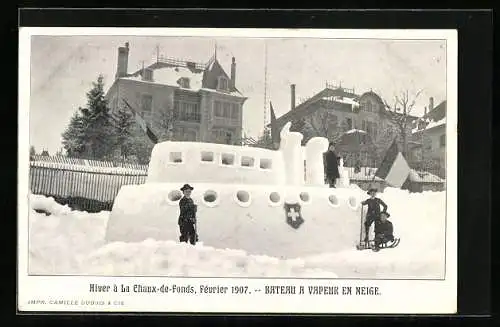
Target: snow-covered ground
[[72, 242]]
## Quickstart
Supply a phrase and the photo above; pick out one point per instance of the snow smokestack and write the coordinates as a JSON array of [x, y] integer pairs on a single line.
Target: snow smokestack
[[292, 96]]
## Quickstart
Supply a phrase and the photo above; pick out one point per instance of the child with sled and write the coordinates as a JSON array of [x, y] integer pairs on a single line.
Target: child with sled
[[187, 216], [373, 212], [383, 231]]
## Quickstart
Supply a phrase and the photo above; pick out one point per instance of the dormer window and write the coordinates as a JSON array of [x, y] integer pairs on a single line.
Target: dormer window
[[184, 82], [147, 74], [223, 83]]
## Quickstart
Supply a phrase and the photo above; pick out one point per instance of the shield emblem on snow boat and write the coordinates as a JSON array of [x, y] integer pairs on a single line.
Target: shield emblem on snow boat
[[293, 215]]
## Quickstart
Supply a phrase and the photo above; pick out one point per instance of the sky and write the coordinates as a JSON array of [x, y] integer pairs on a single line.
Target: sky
[[64, 67]]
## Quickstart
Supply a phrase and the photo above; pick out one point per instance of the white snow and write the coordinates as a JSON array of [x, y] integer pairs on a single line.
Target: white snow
[[243, 227], [170, 76], [72, 242], [351, 131], [345, 100], [431, 124]]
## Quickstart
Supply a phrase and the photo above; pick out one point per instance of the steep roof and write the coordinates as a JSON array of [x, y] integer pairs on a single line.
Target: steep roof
[[434, 118], [201, 77], [312, 104], [438, 113], [342, 101]]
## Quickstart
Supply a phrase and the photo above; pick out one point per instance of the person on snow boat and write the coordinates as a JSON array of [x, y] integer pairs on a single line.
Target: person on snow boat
[[187, 216], [383, 231], [373, 212]]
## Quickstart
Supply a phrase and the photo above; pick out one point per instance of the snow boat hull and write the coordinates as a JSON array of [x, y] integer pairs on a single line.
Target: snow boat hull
[[279, 221]]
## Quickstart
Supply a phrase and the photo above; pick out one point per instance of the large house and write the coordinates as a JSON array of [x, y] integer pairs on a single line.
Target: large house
[[429, 139], [199, 101], [336, 111]]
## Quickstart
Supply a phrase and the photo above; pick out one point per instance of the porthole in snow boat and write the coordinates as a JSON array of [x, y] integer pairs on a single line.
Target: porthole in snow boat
[[266, 164], [207, 156], [227, 159], [175, 157], [274, 198], [243, 198], [174, 196], [333, 200], [353, 203], [210, 198], [304, 197]]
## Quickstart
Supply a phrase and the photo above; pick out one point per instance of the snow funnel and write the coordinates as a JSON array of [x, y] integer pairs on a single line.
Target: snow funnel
[[246, 199]]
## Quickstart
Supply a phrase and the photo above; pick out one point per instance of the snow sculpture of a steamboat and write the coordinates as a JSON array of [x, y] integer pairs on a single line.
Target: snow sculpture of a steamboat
[[248, 198]]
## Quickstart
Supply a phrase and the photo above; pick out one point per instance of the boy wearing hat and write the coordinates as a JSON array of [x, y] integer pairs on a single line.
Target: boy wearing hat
[[373, 212], [383, 231], [187, 216]]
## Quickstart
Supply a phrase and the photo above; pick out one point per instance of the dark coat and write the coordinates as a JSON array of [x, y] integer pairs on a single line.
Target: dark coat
[[384, 229], [374, 207], [331, 164], [187, 211]]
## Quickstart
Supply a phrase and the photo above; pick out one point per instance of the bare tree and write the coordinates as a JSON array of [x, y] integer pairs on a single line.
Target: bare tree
[[321, 124], [400, 114]]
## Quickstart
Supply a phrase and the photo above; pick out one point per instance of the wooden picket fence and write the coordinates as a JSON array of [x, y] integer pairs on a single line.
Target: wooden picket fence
[[82, 184]]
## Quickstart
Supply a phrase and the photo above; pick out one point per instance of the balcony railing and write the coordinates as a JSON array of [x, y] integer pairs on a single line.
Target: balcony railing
[[226, 121], [189, 117]]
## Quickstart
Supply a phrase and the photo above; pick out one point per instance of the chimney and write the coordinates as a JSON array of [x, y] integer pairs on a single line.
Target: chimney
[[233, 74], [431, 103], [122, 66], [425, 111], [292, 90]]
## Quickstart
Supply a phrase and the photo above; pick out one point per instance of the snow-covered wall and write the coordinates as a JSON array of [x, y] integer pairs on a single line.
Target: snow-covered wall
[[240, 216], [190, 162]]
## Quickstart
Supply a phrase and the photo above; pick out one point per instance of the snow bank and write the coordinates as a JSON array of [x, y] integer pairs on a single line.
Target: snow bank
[[238, 214], [72, 242]]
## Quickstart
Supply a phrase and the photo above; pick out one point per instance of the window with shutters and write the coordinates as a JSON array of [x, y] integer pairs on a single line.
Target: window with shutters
[[146, 102]]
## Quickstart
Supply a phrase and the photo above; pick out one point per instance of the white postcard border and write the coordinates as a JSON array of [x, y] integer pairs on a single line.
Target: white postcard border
[[397, 296]]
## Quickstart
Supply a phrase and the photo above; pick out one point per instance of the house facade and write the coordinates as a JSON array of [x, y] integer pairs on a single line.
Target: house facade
[[429, 140], [335, 111], [185, 100]]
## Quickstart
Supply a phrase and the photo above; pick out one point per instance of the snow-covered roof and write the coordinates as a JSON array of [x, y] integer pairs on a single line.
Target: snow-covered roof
[[430, 124], [170, 76], [344, 100], [436, 123], [424, 177], [352, 131], [234, 93]]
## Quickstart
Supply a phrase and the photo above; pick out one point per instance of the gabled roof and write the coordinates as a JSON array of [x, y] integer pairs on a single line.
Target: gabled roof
[[170, 72], [313, 103], [438, 113], [434, 118], [317, 101]]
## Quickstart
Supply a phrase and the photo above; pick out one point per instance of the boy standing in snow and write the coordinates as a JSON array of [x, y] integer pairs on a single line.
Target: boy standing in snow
[[373, 212], [383, 231], [187, 216]]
